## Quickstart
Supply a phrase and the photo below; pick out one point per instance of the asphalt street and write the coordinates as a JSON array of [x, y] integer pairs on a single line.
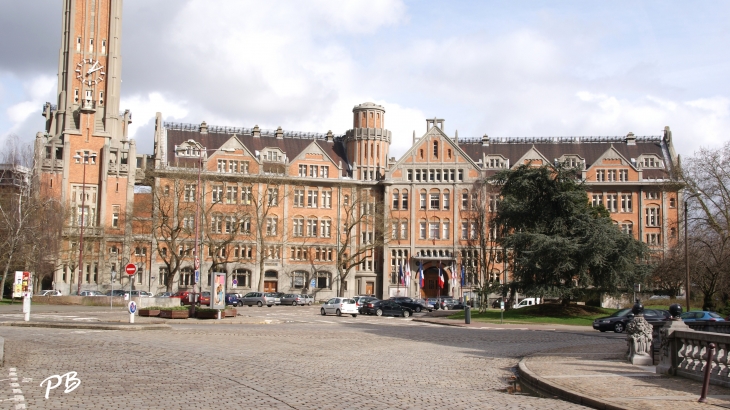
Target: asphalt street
[[299, 359]]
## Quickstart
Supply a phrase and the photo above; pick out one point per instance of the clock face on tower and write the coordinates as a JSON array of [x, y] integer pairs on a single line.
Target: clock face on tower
[[90, 72]]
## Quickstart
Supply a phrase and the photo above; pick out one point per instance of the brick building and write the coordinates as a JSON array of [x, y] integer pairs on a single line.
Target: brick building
[[281, 210]]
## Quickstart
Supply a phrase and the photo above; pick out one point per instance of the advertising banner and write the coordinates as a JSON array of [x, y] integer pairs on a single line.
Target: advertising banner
[[218, 291], [18, 285]]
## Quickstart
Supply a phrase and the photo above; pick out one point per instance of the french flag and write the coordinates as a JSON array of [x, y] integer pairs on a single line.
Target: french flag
[[420, 273], [441, 277], [408, 274]]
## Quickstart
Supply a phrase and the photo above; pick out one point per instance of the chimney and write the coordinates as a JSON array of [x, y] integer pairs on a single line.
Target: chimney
[[456, 136], [256, 131], [667, 135], [330, 137], [279, 134], [630, 139], [203, 128], [485, 140]]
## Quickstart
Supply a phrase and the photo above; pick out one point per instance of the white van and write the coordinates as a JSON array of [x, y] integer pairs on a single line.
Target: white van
[[526, 302]]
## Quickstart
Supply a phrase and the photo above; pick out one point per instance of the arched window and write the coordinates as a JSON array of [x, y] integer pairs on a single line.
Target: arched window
[[325, 227], [495, 276], [404, 198], [396, 199], [298, 279], [627, 227], [447, 199], [434, 199], [241, 278], [435, 149], [422, 197], [445, 229], [465, 199], [312, 223], [422, 229]]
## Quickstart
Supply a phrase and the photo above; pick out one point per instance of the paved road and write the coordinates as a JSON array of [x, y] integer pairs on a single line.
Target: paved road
[[301, 360]]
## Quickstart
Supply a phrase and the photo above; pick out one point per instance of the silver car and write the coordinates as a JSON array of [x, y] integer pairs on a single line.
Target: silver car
[[257, 298], [296, 299]]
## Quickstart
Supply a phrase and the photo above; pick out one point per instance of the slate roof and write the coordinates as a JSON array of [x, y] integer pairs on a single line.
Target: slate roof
[[290, 145]]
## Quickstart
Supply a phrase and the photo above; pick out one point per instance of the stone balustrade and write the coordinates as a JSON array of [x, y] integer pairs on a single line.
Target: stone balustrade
[[683, 352], [708, 326]]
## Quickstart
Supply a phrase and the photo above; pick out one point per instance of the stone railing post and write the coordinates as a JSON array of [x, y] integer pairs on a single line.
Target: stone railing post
[[670, 346]]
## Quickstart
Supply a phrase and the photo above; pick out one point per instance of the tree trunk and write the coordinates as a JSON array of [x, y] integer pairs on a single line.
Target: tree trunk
[[5, 275]]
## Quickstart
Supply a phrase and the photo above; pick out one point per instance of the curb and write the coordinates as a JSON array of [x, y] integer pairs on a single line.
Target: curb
[[107, 326], [439, 323], [534, 382]]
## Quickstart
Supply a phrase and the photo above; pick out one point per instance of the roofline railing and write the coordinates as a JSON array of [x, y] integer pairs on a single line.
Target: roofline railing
[[215, 129], [553, 140]]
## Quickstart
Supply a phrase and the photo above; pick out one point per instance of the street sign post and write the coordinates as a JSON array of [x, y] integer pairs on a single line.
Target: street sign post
[[197, 276], [130, 269], [132, 306], [501, 311]]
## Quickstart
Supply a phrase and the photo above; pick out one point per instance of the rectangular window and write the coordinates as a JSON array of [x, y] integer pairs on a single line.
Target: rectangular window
[[404, 230], [233, 167], [325, 228], [627, 228], [447, 201], [298, 198], [422, 230], [410, 175], [298, 227], [396, 200], [465, 201], [302, 170], [601, 175], [91, 45], [418, 175], [312, 228], [653, 239], [231, 194], [273, 196], [313, 171], [221, 165], [115, 215], [271, 223], [652, 216], [461, 175], [405, 200], [244, 167], [623, 175], [435, 202], [611, 175], [246, 195], [312, 199], [611, 202], [327, 199], [432, 175], [446, 226], [189, 193], [217, 193], [626, 203], [78, 44], [324, 171], [103, 46], [464, 230], [423, 200], [597, 200], [652, 194]]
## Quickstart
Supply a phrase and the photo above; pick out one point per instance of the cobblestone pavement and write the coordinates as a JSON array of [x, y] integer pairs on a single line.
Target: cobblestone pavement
[[301, 360], [602, 372]]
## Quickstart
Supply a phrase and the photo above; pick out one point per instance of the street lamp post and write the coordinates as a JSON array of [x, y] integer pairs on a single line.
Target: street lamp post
[[83, 204]]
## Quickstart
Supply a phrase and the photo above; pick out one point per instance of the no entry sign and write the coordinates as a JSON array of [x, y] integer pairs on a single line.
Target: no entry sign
[[130, 268]]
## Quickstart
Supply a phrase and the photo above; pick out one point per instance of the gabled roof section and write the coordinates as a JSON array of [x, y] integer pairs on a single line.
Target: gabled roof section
[[234, 143], [315, 148], [293, 143], [611, 153], [531, 155], [438, 132]]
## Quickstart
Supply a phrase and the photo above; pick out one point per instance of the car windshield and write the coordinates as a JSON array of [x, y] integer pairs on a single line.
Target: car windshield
[[620, 313], [250, 294]]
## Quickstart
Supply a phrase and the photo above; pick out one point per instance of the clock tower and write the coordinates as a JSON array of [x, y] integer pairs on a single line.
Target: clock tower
[[83, 157]]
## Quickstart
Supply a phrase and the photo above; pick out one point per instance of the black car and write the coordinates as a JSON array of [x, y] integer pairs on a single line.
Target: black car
[[410, 303], [618, 321], [445, 303], [385, 308]]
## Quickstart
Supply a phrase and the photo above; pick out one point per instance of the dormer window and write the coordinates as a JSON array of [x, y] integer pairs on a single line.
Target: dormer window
[[572, 161], [273, 155], [495, 162], [650, 162]]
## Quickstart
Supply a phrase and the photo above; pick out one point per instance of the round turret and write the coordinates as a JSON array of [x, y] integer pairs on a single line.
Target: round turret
[[368, 142]]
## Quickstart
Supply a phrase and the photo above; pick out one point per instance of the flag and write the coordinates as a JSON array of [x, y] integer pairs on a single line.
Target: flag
[[441, 277], [463, 278], [420, 273], [400, 274], [408, 274], [453, 274]]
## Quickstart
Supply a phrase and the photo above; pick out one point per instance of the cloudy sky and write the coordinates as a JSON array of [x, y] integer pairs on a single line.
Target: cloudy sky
[[502, 68]]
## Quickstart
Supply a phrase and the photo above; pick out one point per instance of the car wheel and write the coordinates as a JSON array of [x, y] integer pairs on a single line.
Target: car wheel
[[354, 315], [379, 312], [406, 313], [294, 303], [338, 313], [268, 305], [259, 304], [309, 304], [602, 331], [240, 304], [418, 309], [618, 327], [322, 312], [430, 310]]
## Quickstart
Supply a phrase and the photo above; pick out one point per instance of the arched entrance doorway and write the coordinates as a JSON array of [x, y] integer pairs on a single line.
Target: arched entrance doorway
[[271, 281], [431, 287]]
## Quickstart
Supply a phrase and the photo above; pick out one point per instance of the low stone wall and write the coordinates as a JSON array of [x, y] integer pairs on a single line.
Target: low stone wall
[[712, 327], [104, 301], [683, 353]]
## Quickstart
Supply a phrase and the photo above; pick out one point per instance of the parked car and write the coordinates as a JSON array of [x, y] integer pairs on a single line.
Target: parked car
[[292, 299], [433, 302], [339, 306], [361, 300], [275, 296], [526, 302], [49, 292], [164, 295], [257, 298], [116, 292], [140, 294], [497, 303], [619, 319], [386, 308], [425, 302], [183, 295], [204, 299], [410, 303], [278, 296], [232, 300], [695, 316], [90, 293]]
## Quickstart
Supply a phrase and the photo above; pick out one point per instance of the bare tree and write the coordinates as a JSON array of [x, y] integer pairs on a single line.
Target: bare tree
[[707, 177], [361, 224]]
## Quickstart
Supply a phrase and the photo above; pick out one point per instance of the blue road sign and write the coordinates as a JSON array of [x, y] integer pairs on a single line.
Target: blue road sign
[[197, 276], [313, 283]]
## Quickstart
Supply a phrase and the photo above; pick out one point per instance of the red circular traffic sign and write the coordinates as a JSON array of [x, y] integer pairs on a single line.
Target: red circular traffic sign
[[131, 269]]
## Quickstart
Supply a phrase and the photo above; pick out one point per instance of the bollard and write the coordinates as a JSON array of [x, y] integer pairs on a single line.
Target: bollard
[[708, 368], [467, 314]]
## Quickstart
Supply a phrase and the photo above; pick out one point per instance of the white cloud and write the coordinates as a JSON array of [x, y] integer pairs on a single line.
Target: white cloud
[[34, 92], [146, 107]]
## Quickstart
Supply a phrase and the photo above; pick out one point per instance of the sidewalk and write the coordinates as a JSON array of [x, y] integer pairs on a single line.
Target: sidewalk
[[598, 376]]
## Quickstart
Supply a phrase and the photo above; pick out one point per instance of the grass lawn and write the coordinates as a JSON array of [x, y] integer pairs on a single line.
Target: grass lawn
[[547, 313]]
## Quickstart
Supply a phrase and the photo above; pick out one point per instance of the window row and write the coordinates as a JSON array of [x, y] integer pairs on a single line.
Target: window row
[[314, 227], [315, 171], [313, 198], [233, 166], [612, 175], [399, 229], [614, 202], [400, 199], [317, 253], [300, 279], [435, 175], [434, 229]]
